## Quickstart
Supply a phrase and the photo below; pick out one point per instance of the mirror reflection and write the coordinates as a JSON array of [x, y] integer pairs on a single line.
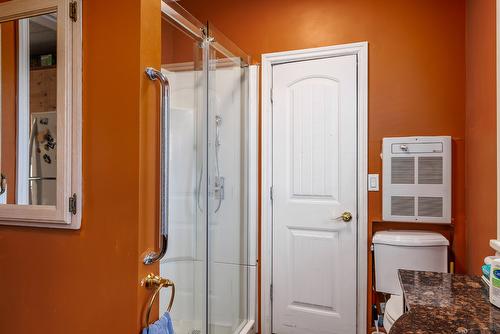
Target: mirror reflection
[[28, 89]]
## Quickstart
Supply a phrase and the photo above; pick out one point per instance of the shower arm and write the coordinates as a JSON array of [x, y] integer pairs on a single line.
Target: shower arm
[[153, 74]]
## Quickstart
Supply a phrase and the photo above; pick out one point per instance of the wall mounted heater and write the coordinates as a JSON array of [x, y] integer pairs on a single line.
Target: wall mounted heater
[[417, 179]]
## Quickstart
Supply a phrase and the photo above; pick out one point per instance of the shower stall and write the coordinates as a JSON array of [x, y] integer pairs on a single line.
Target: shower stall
[[209, 254]]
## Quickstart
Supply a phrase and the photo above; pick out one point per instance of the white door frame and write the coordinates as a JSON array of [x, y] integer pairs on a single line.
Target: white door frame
[[23, 114], [268, 60]]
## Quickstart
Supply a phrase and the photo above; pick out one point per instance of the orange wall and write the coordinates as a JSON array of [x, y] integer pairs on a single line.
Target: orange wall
[[480, 131], [87, 281], [416, 65]]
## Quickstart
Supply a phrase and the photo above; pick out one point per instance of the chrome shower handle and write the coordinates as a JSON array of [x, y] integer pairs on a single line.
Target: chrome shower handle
[[154, 75]]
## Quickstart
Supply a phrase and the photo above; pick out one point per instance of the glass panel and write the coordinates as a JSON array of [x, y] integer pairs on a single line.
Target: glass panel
[[29, 110], [185, 262], [227, 220]]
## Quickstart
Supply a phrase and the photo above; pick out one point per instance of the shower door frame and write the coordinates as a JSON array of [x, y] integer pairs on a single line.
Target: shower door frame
[[268, 60]]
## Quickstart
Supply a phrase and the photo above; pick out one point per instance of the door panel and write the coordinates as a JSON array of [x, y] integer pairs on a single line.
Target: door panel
[[312, 292], [314, 182], [314, 116]]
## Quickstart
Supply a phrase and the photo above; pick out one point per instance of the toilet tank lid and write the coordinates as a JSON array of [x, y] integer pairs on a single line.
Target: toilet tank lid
[[410, 238]]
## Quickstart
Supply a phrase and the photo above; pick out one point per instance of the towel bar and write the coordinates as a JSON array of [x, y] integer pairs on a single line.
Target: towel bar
[[153, 281]]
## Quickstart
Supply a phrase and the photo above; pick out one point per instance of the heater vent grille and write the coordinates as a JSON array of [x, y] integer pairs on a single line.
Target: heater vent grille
[[417, 179], [403, 206], [403, 170], [430, 170], [430, 206]]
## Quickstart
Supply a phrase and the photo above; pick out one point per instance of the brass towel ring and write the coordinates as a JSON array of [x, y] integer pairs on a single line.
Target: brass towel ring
[[154, 281]]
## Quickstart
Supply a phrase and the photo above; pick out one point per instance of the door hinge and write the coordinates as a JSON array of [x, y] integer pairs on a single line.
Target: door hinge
[[73, 11], [72, 204], [271, 292], [271, 193], [271, 95]]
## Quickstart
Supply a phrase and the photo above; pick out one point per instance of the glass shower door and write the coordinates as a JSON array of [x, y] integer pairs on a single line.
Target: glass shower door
[[185, 260], [207, 255], [228, 269]]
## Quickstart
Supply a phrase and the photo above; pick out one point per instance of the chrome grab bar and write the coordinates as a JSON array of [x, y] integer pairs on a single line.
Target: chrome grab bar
[[153, 74]]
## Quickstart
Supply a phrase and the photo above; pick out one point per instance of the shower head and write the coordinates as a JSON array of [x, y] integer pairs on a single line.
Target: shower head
[[218, 123]]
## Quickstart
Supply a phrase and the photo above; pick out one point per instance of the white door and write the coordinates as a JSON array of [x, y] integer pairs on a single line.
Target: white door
[[314, 182]]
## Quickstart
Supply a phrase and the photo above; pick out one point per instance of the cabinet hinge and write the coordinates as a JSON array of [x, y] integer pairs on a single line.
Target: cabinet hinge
[[73, 11], [72, 204]]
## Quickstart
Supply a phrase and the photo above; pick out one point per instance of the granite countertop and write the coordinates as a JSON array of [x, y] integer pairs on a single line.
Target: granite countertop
[[445, 303]]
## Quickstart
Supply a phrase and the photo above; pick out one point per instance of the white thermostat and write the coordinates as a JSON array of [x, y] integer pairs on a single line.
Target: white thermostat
[[416, 179]]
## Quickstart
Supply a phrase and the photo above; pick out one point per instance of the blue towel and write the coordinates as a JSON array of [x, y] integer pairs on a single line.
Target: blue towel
[[162, 326]]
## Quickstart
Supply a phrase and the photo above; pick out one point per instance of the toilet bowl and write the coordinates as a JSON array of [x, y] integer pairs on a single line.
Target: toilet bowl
[[411, 250], [393, 310]]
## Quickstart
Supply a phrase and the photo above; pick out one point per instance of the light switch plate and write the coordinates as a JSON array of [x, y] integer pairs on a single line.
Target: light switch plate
[[373, 182]]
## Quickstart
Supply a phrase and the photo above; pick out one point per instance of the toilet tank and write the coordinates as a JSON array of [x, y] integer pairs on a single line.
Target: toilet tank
[[413, 250]]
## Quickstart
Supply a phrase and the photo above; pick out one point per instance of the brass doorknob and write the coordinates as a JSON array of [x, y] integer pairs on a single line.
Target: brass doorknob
[[346, 217]]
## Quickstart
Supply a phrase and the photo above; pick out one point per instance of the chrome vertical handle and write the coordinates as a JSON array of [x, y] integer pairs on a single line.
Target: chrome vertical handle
[[153, 74]]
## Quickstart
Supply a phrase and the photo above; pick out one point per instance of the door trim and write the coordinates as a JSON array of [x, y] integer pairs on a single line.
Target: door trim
[[252, 169], [268, 60]]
